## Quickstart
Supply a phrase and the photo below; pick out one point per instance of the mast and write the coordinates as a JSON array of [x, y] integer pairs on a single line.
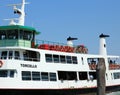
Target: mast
[[103, 49], [20, 12], [13, 34], [22, 15]]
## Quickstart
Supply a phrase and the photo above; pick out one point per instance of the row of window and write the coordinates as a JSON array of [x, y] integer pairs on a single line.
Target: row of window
[[70, 75], [45, 76], [27, 55], [16, 34], [7, 73], [62, 75], [10, 54], [37, 76], [35, 56], [61, 59]]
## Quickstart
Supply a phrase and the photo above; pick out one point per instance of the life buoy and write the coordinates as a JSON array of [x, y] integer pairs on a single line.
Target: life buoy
[[1, 63]]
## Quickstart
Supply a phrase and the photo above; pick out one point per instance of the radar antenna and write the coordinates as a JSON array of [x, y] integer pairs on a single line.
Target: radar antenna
[[20, 12]]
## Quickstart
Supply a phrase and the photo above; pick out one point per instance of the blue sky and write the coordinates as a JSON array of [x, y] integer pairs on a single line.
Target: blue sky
[[83, 19]]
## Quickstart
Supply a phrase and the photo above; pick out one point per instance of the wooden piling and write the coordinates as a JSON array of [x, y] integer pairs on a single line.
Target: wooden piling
[[101, 82]]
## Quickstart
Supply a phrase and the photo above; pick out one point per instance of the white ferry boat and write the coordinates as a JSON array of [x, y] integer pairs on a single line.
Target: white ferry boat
[[30, 67]]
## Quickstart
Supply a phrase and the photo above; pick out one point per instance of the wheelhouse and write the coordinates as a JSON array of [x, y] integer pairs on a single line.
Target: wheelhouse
[[16, 35]]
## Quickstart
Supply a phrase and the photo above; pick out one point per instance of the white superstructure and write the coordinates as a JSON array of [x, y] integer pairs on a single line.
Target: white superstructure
[[49, 67]]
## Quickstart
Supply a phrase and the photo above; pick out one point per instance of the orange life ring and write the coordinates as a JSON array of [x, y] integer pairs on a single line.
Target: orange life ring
[[1, 63]]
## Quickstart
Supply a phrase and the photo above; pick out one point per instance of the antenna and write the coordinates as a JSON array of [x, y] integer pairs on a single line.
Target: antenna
[[9, 5], [20, 12]]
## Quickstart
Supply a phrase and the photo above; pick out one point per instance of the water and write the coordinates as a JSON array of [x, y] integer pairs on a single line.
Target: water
[[114, 93]]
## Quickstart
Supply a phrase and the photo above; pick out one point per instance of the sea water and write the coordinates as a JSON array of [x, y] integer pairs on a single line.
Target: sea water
[[114, 93]]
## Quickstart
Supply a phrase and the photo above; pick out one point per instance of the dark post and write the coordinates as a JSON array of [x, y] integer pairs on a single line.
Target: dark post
[[101, 83]]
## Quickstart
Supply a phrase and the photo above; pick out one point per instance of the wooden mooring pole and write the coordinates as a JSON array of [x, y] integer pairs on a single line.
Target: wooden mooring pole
[[101, 83]]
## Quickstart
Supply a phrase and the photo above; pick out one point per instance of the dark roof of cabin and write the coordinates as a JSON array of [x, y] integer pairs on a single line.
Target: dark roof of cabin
[[19, 27]]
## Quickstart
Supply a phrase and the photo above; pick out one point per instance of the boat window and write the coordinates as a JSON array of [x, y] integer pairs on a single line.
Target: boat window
[[2, 34], [27, 35], [10, 54], [62, 59], [9, 34], [21, 34], [12, 34], [62, 75], [26, 75], [83, 76], [68, 58], [4, 55], [31, 56], [25, 54], [92, 62], [116, 75], [82, 60], [74, 60], [67, 75], [44, 76], [48, 57], [56, 58], [72, 75], [35, 76], [7, 73], [114, 63], [93, 74], [12, 73], [3, 73], [52, 76], [17, 55]]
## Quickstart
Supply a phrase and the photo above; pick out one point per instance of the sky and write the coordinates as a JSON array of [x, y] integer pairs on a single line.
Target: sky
[[82, 19]]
